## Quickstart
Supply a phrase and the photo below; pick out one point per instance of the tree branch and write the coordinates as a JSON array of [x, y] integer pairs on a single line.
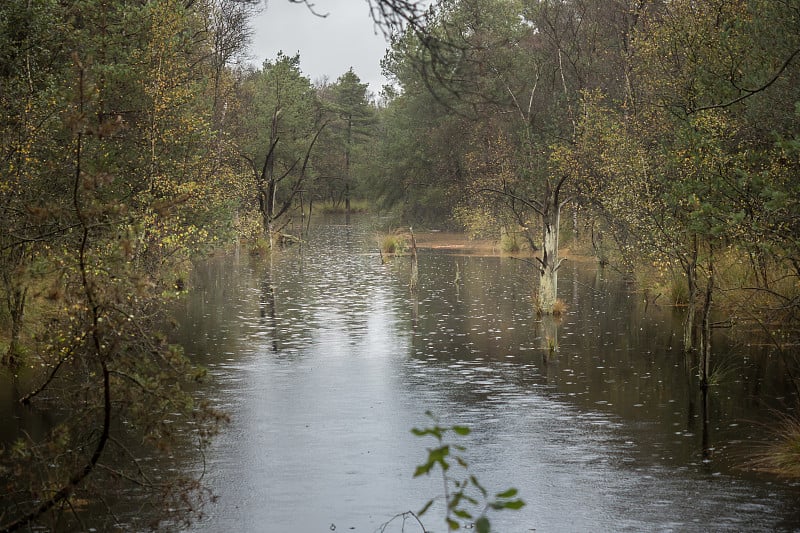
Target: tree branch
[[299, 183], [750, 92], [25, 400], [529, 203], [65, 491]]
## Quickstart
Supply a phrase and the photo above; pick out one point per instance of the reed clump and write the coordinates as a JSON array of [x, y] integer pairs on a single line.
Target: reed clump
[[394, 244], [782, 455], [357, 205], [509, 243], [666, 285]]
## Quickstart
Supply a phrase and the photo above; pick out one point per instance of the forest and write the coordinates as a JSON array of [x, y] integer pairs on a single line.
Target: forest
[[660, 136]]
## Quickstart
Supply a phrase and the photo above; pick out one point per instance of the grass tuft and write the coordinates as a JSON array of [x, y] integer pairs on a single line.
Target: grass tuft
[[782, 455], [559, 308], [338, 208], [393, 244]]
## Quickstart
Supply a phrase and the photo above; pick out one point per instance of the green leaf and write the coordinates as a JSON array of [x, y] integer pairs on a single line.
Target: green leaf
[[423, 469], [499, 505], [471, 500], [452, 524], [474, 481], [461, 513], [461, 430], [482, 525], [438, 455], [425, 508], [435, 431], [510, 493], [514, 504]]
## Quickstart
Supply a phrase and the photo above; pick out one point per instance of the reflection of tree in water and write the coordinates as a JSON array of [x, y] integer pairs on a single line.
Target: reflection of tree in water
[[414, 311], [457, 283], [690, 369], [706, 446], [353, 297], [548, 334], [267, 307]]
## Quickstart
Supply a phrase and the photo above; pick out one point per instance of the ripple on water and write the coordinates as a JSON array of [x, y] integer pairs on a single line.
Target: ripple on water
[[323, 396]]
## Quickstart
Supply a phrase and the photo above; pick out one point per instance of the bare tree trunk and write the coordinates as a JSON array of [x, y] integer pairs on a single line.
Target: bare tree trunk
[[310, 211], [270, 234], [549, 262], [689, 319], [15, 299], [575, 226]]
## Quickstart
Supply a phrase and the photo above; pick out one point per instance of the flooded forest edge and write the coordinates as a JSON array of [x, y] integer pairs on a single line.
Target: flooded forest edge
[[658, 140]]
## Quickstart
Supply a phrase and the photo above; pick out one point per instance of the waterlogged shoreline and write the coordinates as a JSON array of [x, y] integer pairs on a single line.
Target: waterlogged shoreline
[[325, 361]]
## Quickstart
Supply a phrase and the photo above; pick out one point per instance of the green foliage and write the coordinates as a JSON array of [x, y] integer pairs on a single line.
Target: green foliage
[[417, 178], [344, 158], [283, 121], [107, 193], [671, 149], [478, 222], [462, 490]]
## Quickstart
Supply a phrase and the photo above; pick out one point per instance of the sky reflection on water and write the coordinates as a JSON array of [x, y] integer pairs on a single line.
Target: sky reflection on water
[[326, 361]]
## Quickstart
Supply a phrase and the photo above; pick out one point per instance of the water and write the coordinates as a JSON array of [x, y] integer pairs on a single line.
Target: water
[[325, 361]]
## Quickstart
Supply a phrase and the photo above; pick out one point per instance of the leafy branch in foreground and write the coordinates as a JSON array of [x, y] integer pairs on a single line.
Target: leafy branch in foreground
[[461, 489]]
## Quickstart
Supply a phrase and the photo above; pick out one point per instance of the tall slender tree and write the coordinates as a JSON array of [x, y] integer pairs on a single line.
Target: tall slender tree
[[355, 116]]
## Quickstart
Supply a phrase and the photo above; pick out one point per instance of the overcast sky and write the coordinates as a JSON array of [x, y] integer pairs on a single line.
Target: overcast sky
[[328, 46]]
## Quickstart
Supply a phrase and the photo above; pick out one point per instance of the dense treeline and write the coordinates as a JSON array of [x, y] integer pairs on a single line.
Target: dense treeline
[[665, 132], [135, 137], [108, 111]]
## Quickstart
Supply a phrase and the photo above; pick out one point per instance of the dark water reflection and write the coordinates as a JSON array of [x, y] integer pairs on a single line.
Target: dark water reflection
[[325, 361]]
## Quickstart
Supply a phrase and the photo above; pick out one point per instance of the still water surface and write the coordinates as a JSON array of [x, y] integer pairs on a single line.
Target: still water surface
[[325, 361]]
